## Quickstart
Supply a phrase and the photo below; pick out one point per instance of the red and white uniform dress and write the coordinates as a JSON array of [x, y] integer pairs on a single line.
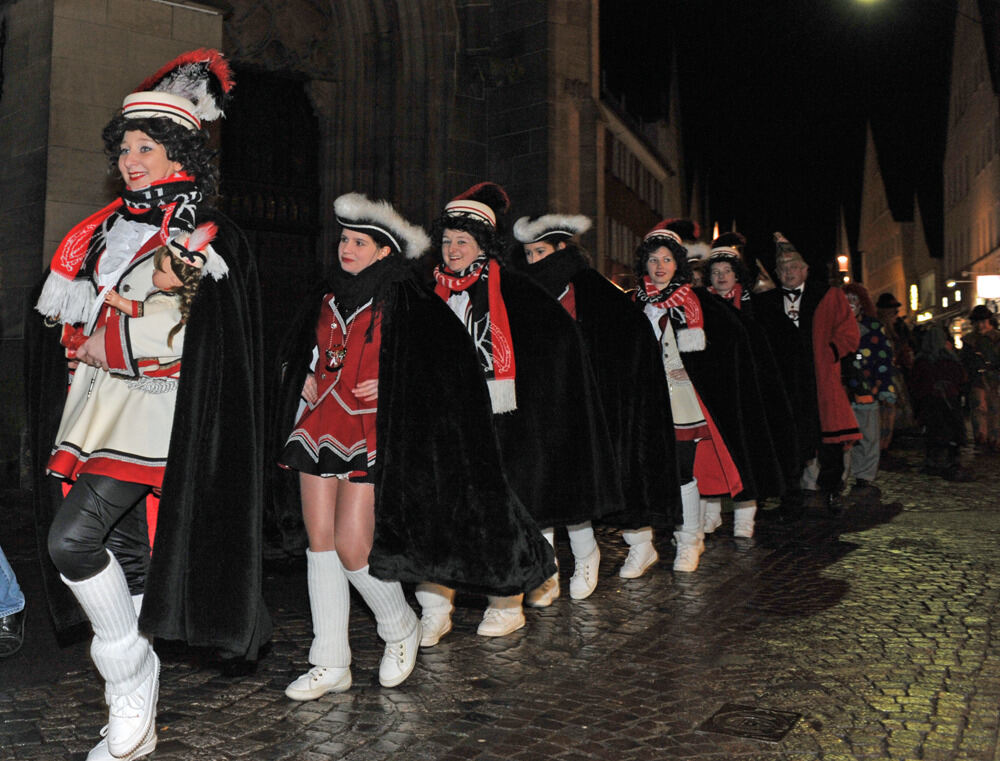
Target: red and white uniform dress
[[118, 423], [335, 435]]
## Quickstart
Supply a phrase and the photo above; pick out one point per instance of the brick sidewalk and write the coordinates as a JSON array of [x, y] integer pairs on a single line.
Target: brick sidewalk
[[878, 629]]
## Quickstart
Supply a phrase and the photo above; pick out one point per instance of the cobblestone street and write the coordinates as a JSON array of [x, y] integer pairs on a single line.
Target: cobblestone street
[[879, 628]]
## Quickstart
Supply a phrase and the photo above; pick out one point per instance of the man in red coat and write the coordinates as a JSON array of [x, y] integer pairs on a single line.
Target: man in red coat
[[812, 329]]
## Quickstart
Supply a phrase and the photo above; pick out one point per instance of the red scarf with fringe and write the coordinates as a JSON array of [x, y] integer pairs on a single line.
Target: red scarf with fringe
[[500, 339]]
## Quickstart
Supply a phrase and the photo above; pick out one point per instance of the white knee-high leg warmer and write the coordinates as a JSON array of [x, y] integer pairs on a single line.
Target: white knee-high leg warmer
[[637, 536], [123, 658], [394, 618], [505, 603], [435, 599], [330, 605], [690, 508], [581, 539]]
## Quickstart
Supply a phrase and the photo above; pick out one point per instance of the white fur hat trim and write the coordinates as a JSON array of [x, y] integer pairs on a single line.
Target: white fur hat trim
[[550, 225], [357, 212]]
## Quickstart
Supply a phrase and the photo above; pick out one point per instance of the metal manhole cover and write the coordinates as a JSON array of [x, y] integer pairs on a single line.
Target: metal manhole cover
[[754, 723]]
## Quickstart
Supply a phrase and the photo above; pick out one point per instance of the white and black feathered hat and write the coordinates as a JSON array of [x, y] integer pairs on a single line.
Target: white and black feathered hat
[[550, 228], [357, 212], [195, 250], [190, 90], [663, 231], [484, 202], [727, 247]]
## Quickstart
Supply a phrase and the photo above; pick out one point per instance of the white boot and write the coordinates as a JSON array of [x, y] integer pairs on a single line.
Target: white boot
[[641, 553], [711, 517], [743, 518], [126, 660], [687, 538], [503, 616], [397, 625], [587, 560], [330, 652], [436, 605]]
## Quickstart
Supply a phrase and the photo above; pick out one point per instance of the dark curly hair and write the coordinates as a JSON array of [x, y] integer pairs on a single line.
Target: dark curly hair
[[187, 147], [489, 239], [648, 246], [742, 272]]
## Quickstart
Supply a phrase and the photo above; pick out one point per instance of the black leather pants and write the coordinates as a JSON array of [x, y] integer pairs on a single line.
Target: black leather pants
[[100, 512]]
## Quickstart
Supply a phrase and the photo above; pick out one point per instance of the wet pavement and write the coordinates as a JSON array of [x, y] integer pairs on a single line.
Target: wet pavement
[[879, 628]]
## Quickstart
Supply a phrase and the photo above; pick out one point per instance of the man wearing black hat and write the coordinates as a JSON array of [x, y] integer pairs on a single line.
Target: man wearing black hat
[[812, 329], [981, 357]]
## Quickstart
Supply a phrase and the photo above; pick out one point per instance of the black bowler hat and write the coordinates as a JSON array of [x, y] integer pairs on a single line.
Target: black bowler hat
[[887, 301]]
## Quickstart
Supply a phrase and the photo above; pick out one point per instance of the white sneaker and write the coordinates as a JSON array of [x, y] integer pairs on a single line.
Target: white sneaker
[[100, 751], [318, 681], [583, 582], [133, 716], [545, 594], [399, 659], [687, 558], [640, 558], [743, 529], [498, 622], [711, 522], [434, 626]]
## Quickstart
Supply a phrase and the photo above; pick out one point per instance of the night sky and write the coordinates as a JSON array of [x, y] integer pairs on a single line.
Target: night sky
[[775, 96]]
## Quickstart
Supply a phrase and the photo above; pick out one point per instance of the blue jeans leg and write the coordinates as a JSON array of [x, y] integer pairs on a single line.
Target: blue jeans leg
[[11, 596]]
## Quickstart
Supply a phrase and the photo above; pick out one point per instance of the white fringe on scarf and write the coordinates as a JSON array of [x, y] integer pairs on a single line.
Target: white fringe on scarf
[[503, 397]]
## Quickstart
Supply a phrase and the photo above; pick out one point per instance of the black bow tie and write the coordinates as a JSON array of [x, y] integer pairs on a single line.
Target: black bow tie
[[792, 293]]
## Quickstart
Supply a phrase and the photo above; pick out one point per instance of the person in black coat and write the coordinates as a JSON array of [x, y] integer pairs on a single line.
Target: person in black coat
[[626, 363], [774, 453], [712, 381], [553, 438], [204, 461]]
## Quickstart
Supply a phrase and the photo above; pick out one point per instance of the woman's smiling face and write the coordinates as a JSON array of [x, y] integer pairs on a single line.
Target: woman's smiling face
[[142, 161]]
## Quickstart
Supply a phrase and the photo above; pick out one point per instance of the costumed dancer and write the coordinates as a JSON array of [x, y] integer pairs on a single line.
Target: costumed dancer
[[714, 412], [384, 498], [868, 378], [556, 451], [133, 423], [775, 443], [626, 362], [813, 325]]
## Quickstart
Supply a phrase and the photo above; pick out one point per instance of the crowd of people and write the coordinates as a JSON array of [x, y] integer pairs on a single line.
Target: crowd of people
[[435, 433]]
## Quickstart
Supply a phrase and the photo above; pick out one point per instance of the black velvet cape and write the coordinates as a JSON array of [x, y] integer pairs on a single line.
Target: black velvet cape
[[556, 448], [625, 358], [793, 354], [725, 376], [444, 511], [782, 428], [204, 580]]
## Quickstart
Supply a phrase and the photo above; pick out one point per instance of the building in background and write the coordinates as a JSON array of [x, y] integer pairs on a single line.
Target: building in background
[[971, 266], [893, 246]]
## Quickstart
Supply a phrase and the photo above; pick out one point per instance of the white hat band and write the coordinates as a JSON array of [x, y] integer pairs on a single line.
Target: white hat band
[[464, 207], [160, 105]]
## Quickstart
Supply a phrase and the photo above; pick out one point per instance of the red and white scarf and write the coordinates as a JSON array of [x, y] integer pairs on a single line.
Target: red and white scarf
[[683, 308], [501, 375], [67, 291]]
